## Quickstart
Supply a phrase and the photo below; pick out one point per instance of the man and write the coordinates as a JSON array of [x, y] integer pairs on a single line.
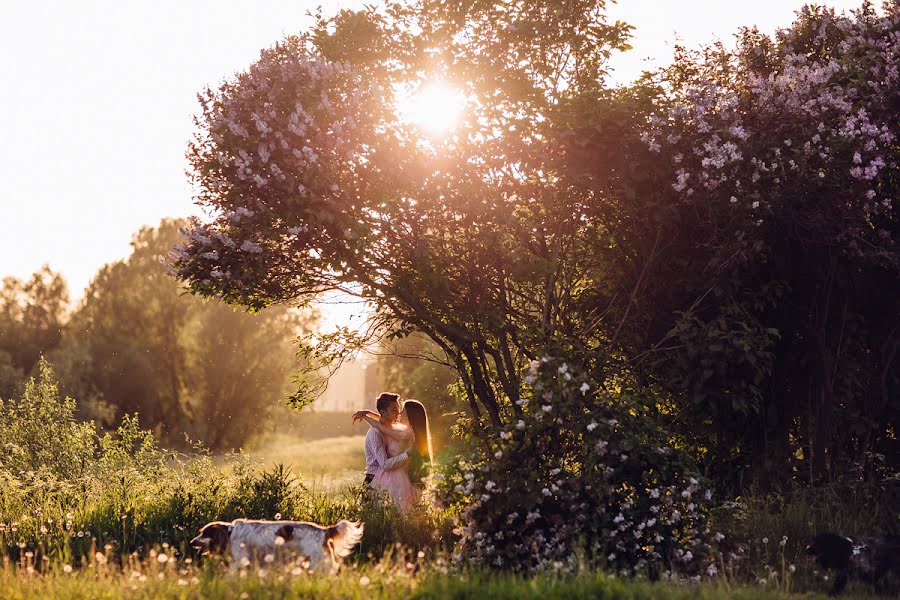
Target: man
[[388, 406]]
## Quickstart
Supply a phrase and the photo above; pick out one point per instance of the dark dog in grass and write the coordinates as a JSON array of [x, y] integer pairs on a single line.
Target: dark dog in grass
[[872, 559]]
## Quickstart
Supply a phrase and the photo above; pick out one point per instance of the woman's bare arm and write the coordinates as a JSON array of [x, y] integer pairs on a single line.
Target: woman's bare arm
[[358, 415], [397, 434]]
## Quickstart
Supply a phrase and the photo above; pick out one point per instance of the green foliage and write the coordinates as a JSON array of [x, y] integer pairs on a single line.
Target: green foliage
[[314, 182], [40, 436], [585, 477], [67, 489], [747, 243], [32, 315], [190, 367]]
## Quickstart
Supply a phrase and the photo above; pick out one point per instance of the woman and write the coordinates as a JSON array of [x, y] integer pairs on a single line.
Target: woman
[[411, 435]]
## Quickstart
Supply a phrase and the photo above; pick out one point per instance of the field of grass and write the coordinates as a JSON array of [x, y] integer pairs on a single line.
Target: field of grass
[[109, 516], [387, 579], [324, 464]]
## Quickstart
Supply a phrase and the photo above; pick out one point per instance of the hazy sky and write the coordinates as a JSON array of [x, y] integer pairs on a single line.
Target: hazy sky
[[97, 98]]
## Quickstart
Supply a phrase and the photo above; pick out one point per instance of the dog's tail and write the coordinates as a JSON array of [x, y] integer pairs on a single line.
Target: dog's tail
[[343, 536]]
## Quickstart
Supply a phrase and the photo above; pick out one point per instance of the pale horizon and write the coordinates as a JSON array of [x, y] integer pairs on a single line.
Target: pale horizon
[[101, 96]]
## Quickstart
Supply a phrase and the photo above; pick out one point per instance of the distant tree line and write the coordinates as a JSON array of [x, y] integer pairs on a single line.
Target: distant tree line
[[136, 343]]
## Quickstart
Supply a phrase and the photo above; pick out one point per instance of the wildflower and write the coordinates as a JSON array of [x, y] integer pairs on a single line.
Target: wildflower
[[278, 516], [765, 540], [792, 568], [364, 580], [546, 407], [67, 568], [545, 492], [162, 558], [269, 558], [592, 426], [711, 570], [498, 454], [520, 425], [783, 541], [584, 387]]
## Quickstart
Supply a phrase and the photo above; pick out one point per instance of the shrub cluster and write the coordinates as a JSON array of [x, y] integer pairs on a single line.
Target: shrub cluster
[[69, 493], [583, 477]]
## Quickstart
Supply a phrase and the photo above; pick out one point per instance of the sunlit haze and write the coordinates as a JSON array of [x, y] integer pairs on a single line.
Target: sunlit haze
[[436, 107], [98, 100]]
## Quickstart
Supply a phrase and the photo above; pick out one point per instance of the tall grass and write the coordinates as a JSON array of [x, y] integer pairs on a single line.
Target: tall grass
[[85, 514], [67, 491], [152, 579]]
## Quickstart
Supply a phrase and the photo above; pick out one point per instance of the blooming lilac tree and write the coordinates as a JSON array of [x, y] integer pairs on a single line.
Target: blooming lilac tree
[[751, 196], [311, 182]]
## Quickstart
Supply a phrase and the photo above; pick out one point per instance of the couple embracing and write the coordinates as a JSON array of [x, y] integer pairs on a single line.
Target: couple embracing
[[398, 448]]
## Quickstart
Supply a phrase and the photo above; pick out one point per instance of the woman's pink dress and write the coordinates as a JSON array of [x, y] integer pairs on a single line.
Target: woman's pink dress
[[396, 481]]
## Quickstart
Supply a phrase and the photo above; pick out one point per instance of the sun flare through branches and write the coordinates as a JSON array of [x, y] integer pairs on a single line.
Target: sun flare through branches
[[435, 107]]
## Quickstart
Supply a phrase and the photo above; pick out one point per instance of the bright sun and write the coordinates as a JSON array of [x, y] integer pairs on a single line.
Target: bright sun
[[435, 107]]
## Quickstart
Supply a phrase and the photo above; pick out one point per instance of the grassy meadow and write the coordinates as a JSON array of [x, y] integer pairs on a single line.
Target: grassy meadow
[[327, 463], [90, 514], [314, 479], [387, 578]]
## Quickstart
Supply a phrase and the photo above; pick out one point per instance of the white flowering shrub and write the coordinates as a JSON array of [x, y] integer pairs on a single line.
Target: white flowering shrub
[[583, 476]]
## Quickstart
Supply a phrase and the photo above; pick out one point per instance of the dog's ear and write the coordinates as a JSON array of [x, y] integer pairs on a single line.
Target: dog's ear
[[285, 532], [219, 536]]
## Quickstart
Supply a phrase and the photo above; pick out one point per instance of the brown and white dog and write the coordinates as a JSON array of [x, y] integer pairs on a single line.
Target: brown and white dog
[[246, 541]]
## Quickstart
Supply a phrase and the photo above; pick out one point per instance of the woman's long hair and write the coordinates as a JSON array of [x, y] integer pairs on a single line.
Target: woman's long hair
[[418, 420]]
